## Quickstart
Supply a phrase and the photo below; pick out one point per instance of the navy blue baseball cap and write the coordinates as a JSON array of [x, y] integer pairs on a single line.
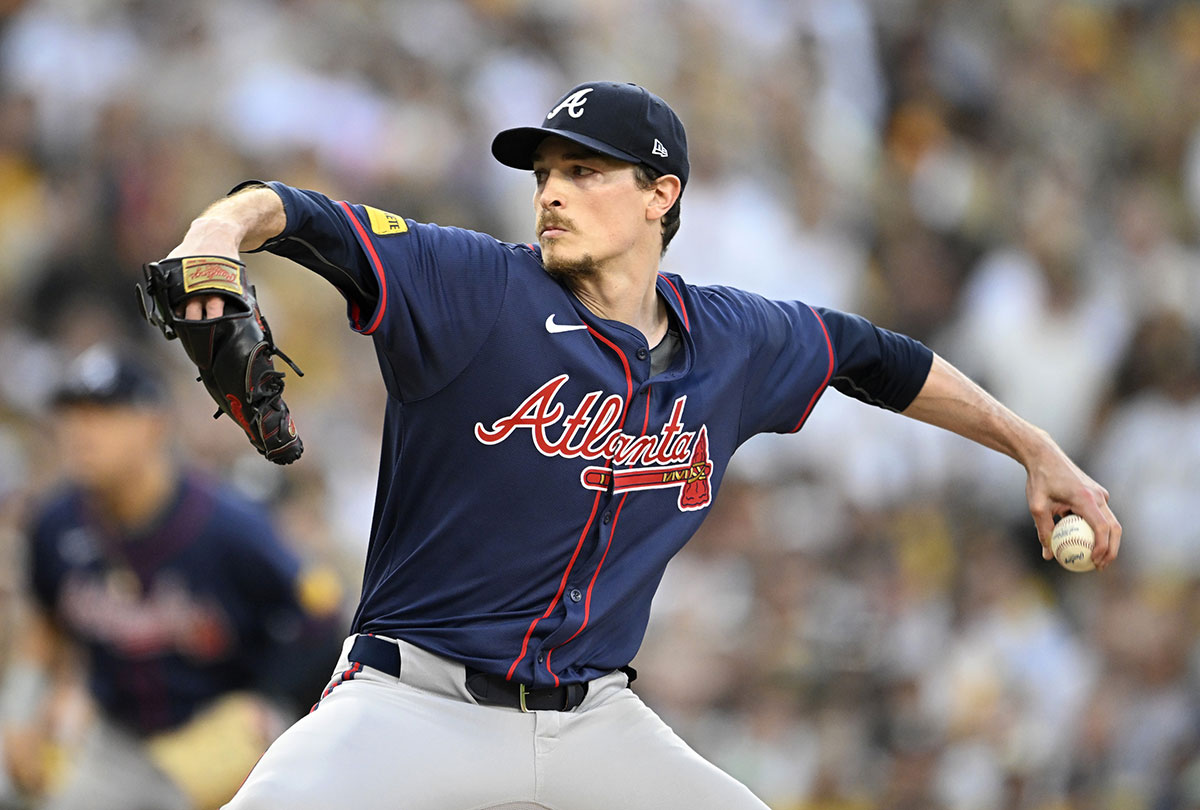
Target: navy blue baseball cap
[[624, 121], [104, 375]]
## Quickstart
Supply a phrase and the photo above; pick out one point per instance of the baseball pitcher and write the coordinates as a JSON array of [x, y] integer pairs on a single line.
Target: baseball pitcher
[[560, 415]]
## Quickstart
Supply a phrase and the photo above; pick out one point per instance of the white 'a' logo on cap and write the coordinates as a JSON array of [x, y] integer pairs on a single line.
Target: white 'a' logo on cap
[[659, 149], [572, 103]]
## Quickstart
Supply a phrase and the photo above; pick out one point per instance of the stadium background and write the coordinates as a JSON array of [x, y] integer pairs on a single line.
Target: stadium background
[[865, 620]]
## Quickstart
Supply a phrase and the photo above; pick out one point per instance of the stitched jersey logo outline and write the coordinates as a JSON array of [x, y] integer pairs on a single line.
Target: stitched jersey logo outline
[[572, 103], [555, 328]]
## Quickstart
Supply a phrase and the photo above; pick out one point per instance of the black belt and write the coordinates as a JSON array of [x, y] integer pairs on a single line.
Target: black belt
[[489, 690], [494, 690]]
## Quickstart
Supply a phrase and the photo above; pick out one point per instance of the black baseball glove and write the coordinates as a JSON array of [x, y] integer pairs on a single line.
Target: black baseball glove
[[233, 352]]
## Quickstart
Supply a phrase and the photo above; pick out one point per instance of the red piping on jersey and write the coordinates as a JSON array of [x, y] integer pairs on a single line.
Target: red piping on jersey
[[562, 586], [828, 374], [680, 299], [628, 374], [587, 604], [646, 421], [375, 263]]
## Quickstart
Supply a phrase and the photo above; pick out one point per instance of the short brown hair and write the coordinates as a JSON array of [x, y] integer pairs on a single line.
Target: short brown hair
[[645, 176]]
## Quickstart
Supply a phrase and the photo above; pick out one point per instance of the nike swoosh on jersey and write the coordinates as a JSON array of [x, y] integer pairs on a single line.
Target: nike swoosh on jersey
[[554, 328]]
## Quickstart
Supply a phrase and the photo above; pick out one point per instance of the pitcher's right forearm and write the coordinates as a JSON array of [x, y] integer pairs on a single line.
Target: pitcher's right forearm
[[239, 222]]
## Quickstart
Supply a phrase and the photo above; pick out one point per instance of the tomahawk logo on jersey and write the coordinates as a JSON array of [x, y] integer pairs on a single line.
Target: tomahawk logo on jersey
[[497, 373]]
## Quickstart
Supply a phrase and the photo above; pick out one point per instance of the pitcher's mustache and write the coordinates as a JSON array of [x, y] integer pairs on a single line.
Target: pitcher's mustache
[[553, 221]]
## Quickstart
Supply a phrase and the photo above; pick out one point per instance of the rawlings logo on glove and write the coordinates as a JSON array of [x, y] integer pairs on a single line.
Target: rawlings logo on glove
[[232, 352], [209, 274]]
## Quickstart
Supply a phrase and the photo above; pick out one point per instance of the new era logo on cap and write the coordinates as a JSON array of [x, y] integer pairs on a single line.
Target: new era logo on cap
[[624, 121]]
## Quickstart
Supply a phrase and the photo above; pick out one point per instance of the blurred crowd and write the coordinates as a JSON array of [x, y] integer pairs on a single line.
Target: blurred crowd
[[865, 620]]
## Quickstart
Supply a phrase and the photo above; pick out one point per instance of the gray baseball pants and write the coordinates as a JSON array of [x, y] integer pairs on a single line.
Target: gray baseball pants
[[421, 742]]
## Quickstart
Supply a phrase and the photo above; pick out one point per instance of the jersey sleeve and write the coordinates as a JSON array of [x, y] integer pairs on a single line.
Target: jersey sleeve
[[790, 361], [427, 294], [319, 237], [265, 568], [875, 365], [272, 577], [797, 351], [296, 625]]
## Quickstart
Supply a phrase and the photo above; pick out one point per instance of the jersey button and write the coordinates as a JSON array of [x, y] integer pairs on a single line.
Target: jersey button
[[607, 517], [576, 594], [642, 354], [541, 658]]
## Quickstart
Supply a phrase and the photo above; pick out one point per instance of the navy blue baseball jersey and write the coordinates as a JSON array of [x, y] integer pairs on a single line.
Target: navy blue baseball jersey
[[173, 615], [536, 475]]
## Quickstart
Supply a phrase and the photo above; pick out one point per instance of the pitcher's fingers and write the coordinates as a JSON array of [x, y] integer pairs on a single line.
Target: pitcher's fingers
[[1044, 522], [214, 307], [1112, 529], [1106, 529], [194, 310]]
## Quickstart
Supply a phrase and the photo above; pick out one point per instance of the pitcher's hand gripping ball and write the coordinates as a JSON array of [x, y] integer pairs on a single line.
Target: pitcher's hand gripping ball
[[1072, 543], [233, 352]]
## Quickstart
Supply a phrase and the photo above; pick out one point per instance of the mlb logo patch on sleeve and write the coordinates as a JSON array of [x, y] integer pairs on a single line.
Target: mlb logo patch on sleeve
[[385, 224]]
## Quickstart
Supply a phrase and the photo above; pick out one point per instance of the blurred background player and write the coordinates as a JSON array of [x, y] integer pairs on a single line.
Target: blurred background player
[[193, 619]]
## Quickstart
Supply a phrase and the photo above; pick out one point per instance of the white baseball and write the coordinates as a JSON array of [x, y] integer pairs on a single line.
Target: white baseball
[[1072, 543]]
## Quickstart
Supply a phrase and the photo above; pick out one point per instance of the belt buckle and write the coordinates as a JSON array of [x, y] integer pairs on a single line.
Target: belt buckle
[[522, 690]]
